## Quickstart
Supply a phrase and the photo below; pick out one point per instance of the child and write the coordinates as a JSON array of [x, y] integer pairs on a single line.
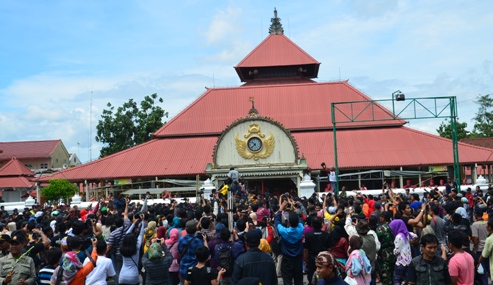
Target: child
[[104, 266], [201, 274], [52, 258]]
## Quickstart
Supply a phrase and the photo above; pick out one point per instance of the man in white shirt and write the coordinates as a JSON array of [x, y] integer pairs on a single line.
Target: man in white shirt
[[234, 175], [104, 267], [333, 179]]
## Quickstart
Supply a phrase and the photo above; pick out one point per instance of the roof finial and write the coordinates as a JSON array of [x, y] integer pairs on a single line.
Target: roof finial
[[276, 27], [253, 112]]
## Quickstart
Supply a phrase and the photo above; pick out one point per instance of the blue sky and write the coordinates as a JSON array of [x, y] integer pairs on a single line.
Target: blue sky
[[57, 56]]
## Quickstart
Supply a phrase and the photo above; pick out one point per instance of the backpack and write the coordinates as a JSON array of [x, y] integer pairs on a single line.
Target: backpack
[[275, 245], [225, 259]]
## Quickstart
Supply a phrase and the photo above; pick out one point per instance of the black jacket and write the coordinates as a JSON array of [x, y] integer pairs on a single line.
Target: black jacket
[[255, 263], [424, 273]]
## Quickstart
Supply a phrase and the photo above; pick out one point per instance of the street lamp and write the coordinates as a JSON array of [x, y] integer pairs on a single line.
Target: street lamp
[[398, 96]]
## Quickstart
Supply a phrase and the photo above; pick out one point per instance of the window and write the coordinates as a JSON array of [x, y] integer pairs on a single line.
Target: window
[[56, 160], [44, 165], [29, 165]]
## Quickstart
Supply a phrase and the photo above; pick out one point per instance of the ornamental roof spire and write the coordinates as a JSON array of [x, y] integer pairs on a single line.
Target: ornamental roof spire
[[276, 27], [253, 112]]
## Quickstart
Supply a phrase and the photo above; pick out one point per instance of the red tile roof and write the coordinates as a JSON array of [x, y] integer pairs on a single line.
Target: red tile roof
[[385, 147], [357, 148], [276, 50], [28, 149], [484, 142], [15, 182], [15, 168], [158, 157], [297, 106]]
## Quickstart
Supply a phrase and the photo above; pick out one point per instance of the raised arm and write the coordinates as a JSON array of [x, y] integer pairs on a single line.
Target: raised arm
[[141, 234], [125, 213]]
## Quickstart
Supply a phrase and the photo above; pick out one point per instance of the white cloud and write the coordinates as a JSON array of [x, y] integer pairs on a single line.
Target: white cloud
[[225, 24]]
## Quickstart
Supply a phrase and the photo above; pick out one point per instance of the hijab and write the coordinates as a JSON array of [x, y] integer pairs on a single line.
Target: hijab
[[155, 252], [176, 224], [354, 243], [461, 211], [150, 232], [71, 265], [398, 227], [161, 232], [174, 235]]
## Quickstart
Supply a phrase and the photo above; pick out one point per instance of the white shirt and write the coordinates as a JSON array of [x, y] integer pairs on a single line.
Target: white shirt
[[104, 268], [332, 176]]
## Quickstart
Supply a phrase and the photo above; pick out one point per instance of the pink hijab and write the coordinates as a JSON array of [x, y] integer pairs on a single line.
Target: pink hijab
[[173, 237]]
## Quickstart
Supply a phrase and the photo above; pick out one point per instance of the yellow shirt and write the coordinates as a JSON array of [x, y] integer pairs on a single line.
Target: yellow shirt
[[328, 216], [224, 190]]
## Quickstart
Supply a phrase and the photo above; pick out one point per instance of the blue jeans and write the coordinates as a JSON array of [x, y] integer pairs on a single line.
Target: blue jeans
[[333, 186], [118, 263], [486, 268]]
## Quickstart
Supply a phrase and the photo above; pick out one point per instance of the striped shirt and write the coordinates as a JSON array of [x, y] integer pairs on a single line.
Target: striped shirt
[[116, 236], [44, 275]]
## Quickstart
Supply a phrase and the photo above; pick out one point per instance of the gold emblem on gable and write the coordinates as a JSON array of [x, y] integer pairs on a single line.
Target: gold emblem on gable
[[256, 146]]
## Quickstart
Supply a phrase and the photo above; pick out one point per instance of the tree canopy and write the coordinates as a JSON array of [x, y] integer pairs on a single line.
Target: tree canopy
[[445, 130], [130, 125], [483, 126], [59, 189]]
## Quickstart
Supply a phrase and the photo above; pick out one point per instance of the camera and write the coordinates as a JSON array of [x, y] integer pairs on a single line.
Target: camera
[[199, 235]]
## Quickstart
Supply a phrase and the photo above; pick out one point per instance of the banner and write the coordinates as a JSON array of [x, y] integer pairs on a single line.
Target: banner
[[123, 181], [437, 168]]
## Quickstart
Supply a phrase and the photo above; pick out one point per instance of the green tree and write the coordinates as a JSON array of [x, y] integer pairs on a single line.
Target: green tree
[[130, 125], [445, 130], [59, 189], [483, 125]]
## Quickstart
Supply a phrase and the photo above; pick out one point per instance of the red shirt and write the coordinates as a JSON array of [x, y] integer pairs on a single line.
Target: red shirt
[[470, 198], [340, 249]]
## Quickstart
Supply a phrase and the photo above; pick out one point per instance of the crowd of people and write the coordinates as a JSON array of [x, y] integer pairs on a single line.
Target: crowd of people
[[253, 238]]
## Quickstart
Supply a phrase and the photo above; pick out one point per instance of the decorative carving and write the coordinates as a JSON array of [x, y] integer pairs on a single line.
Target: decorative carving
[[254, 129], [249, 119], [252, 148]]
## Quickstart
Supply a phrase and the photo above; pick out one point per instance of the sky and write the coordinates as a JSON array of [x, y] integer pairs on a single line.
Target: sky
[[61, 62]]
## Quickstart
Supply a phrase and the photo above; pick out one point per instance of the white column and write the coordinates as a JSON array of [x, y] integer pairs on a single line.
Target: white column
[[401, 180], [474, 173]]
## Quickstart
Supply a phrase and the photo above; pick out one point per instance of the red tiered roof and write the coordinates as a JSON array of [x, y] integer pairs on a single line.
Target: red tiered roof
[[158, 157], [14, 174], [15, 182], [276, 50], [15, 168], [184, 146], [357, 149], [299, 107]]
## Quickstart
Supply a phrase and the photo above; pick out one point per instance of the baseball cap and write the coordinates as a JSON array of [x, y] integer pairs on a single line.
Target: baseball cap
[[17, 239], [4, 237]]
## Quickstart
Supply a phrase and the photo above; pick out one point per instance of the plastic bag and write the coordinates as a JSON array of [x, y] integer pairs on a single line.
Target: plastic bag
[[350, 281], [480, 269]]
